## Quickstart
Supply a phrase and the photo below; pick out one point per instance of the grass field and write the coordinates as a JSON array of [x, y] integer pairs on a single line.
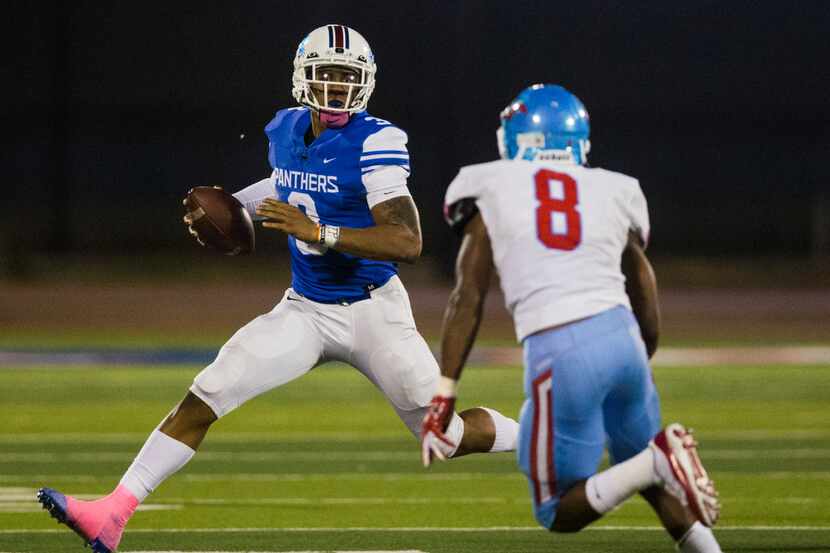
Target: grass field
[[324, 465]]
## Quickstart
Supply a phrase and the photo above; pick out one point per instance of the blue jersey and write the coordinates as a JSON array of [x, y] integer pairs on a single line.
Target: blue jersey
[[328, 180]]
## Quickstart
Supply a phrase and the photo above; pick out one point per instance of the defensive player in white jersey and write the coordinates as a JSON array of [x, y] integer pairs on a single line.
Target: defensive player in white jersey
[[568, 243], [339, 191]]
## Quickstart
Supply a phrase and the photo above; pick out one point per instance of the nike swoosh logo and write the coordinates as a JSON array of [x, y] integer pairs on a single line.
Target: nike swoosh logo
[[329, 160]]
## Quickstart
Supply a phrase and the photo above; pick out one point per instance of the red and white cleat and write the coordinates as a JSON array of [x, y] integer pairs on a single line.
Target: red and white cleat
[[681, 471]]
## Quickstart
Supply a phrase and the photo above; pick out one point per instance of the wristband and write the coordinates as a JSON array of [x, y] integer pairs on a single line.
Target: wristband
[[321, 233], [447, 387], [330, 235]]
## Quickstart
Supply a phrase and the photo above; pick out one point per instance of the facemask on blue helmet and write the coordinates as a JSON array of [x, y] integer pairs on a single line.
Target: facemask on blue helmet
[[545, 122]]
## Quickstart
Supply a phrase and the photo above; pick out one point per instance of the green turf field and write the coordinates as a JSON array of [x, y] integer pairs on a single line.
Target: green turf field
[[324, 465]]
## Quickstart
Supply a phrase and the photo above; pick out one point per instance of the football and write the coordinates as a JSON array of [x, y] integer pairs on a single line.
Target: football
[[219, 220]]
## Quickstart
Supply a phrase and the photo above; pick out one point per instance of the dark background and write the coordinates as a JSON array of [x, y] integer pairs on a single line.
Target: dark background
[[720, 109]]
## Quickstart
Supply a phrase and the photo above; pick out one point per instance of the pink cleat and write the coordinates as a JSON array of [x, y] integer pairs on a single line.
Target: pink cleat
[[100, 523], [679, 467]]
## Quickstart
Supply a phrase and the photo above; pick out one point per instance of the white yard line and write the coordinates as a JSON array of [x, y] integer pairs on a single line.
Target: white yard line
[[363, 476], [344, 501], [334, 436], [362, 456], [242, 456], [353, 476], [419, 529], [32, 507], [796, 453], [789, 434], [277, 477], [22, 500], [220, 437]]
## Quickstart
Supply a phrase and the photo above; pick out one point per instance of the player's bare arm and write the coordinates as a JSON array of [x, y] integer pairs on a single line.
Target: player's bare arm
[[396, 235], [474, 269], [462, 316], [641, 287]]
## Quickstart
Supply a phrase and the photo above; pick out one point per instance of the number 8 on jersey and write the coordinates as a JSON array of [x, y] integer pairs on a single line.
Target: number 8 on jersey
[[552, 212]]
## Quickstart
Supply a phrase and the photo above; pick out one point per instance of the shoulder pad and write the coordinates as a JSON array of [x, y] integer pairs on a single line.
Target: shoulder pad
[[373, 121], [284, 118], [367, 125], [385, 145]]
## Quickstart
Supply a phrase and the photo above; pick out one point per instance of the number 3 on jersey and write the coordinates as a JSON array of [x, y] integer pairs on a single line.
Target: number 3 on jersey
[[301, 199], [564, 206]]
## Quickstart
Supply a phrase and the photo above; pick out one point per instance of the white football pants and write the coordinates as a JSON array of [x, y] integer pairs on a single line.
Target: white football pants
[[377, 336]]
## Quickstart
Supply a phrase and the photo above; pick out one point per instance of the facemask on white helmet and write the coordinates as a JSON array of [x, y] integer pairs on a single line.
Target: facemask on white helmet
[[334, 71]]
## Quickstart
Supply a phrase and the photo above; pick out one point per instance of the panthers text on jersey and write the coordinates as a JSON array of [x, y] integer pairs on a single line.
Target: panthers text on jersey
[[557, 233], [336, 180]]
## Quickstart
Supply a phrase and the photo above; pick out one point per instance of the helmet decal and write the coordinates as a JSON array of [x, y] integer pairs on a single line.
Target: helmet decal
[[513, 109], [338, 36]]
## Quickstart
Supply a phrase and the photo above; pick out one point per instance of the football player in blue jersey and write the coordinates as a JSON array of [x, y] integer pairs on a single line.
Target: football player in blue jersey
[[338, 189]]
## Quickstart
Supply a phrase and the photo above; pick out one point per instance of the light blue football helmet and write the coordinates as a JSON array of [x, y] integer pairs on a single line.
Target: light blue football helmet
[[545, 122]]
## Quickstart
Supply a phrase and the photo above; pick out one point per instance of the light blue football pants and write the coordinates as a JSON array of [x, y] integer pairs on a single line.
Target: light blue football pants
[[585, 382]]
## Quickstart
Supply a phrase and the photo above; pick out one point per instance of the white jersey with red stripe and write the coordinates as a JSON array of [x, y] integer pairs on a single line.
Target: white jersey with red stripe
[[557, 232]]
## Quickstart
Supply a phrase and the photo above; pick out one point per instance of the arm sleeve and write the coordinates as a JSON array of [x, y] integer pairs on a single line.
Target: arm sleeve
[[253, 195], [384, 165], [460, 202], [638, 214], [460, 213], [385, 183]]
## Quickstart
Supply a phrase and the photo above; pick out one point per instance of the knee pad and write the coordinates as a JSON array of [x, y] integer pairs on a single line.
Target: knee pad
[[215, 384]]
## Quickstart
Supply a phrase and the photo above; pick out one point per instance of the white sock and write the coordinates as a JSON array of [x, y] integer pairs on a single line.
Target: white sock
[[454, 433], [607, 489], [160, 457], [507, 431], [698, 539]]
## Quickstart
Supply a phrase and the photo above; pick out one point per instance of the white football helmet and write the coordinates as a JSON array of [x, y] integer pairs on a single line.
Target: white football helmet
[[334, 45]]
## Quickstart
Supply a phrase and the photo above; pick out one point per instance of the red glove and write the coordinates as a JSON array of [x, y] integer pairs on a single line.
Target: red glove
[[433, 440]]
